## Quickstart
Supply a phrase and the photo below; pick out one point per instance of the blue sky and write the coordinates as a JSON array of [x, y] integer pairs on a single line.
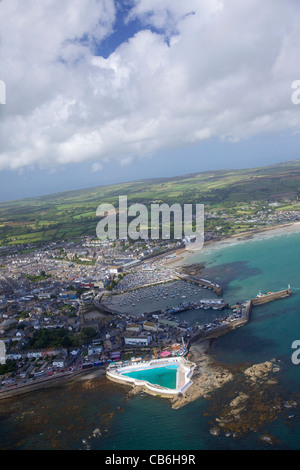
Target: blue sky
[[103, 91]]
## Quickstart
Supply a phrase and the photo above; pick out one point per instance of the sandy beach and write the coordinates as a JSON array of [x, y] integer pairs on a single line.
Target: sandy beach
[[182, 254]]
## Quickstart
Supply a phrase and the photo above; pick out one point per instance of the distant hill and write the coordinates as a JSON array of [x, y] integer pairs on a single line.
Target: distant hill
[[71, 214]]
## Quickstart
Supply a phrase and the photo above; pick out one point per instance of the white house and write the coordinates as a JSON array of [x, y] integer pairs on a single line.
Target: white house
[[59, 363], [137, 339]]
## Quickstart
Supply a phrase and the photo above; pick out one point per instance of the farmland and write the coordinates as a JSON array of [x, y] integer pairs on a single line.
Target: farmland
[[236, 193]]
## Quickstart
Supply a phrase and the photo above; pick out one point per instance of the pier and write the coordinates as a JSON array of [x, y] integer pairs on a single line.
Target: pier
[[200, 282], [202, 304], [243, 310], [263, 299]]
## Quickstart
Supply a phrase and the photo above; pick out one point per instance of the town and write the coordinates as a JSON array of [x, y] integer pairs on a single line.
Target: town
[[57, 315], [67, 306]]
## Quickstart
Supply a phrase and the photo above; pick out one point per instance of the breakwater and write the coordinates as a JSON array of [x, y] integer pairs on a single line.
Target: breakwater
[[272, 296], [200, 282], [230, 324], [245, 310]]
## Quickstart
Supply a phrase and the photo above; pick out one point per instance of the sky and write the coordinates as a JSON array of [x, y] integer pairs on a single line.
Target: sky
[[106, 91]]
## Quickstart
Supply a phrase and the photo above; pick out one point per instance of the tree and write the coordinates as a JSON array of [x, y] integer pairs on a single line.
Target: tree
[[88, 332], [10, 366]]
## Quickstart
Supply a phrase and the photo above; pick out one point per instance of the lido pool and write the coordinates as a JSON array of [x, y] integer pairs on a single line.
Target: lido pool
[[163, 376]]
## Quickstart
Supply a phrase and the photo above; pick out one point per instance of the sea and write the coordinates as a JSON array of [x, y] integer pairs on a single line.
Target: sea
[[95, 414]]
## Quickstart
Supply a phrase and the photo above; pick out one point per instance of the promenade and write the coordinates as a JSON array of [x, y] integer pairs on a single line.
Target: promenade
[[39, 384]]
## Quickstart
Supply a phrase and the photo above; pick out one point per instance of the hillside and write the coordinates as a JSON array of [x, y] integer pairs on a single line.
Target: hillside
[[72, 214]]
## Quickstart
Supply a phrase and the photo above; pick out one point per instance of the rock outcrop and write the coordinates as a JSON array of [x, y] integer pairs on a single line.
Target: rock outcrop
[[260, 372], [207, 377], [254, 405]]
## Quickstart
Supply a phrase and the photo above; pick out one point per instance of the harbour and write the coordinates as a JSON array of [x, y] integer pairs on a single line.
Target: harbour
[[189, 333], [241, 315], [109, 409]]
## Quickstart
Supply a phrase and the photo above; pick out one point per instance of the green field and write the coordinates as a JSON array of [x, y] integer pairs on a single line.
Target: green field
[[72, 214]]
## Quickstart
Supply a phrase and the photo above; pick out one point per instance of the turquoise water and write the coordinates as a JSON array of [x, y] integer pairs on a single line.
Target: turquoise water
[[267, 264], [164, 376], [66, 417]]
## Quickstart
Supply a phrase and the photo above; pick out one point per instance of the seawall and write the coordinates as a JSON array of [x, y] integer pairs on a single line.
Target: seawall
[[270, 297], [200, 282], [247, 309], [52, 381], [223, 329]]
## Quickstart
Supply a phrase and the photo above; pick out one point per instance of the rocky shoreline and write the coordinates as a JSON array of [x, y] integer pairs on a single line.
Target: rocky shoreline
[[251, 398], [254, 400], [207, 377]]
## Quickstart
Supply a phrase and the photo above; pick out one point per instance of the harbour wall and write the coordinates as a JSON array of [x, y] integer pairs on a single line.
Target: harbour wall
[[223, 329], [270, 297], [201, 282], [246, 314]]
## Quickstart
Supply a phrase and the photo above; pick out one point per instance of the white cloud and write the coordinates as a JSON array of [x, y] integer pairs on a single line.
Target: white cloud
[[96, 167], [213, 68], [169, 15]]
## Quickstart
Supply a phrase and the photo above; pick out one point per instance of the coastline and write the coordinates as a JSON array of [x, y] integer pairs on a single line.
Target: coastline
[[248, 235], [53, 381], [207, 377], [199, 355]]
